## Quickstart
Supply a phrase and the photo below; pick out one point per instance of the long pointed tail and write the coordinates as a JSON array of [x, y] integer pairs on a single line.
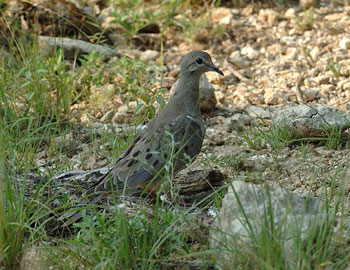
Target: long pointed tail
[[75, 213]]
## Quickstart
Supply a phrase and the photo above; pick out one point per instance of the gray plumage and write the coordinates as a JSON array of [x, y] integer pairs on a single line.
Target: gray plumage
[[174, 137]]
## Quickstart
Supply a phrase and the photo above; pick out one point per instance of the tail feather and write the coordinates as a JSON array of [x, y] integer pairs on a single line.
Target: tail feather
[[75, 213]]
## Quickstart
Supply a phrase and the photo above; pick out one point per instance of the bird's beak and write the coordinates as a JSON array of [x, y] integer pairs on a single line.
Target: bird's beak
[[214, 68]]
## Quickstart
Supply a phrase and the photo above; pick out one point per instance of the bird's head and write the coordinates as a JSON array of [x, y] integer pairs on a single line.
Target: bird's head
[[198, 62]]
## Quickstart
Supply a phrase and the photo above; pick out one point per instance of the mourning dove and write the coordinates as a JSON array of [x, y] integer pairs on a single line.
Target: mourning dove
[[171, 140]]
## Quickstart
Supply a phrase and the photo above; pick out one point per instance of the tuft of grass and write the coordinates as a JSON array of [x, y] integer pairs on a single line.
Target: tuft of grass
[[128, 241], [307, 20], [190, 26], [136, 80], [260, 136], [133, 16], [334, 68], [36, 94], [22, 222], [334, 138], [308, 57], [107, 243], [35, 98]]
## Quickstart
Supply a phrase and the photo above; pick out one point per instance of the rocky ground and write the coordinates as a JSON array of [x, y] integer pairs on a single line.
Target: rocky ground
[[267, 56]]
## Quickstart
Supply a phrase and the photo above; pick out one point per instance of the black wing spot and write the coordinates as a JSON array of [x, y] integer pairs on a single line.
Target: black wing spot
[[137, 139], [148, 149], [136, 153], [155, 162], [132, 163], [128, 151], [148, 156]]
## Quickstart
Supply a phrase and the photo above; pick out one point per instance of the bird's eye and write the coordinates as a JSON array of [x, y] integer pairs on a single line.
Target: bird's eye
[[199, 61]]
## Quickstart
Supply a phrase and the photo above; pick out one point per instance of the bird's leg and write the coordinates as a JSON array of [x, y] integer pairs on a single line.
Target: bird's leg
[[153, 196], [168, 194]]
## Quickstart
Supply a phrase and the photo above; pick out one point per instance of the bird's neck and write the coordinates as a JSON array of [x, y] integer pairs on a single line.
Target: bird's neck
[[186, 94]]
